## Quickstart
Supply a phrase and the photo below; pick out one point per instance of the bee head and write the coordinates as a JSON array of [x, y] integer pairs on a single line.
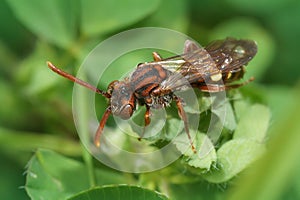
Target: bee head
[[122, 99]]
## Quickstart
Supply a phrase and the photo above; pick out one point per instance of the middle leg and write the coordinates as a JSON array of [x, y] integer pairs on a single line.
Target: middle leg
[[184, 118]]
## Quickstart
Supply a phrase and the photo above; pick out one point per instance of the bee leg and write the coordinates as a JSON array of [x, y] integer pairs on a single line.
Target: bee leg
[[184, 118], [156, 56], [101, 126], [212, 88], [228, 87], [220, 88], [147, 122]]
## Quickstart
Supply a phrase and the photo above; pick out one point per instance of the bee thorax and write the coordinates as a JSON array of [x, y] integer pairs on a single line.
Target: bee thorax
[[158, 102]]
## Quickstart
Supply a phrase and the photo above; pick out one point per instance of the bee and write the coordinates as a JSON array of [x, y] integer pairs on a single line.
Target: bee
[[153, 84]]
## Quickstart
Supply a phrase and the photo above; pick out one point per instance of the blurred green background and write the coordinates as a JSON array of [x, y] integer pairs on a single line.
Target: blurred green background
[[35, 108]]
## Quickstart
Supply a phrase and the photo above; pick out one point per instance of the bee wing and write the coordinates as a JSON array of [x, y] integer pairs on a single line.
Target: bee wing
[[199, 64], [230, 53], [196, 66]]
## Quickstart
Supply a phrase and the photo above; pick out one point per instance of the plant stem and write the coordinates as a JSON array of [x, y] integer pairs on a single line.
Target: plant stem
[[89, 165]]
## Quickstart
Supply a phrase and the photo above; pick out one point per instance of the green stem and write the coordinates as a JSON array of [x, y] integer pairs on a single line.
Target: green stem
[[89, 165], [80, 103]]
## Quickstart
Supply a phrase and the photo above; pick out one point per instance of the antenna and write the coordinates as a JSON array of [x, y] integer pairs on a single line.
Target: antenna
[[76, 80]]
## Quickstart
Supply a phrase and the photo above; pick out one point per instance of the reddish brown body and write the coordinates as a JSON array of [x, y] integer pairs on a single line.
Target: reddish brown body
[[145, 80], [153, 84]]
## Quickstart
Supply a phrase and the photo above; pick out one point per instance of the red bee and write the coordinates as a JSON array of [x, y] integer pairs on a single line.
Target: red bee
[[210, 69]]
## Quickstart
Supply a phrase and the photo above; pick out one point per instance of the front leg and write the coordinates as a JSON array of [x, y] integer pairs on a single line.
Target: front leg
[[184, 118], [147, 121], [101, 126], [156, 56]]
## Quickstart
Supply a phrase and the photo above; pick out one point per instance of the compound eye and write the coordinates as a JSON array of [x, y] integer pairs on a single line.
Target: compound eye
[[126, 112], [111, 87]]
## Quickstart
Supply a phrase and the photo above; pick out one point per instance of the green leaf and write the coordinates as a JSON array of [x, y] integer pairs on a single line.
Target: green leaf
[[196, 191], [206, 153], [225, 112], [164, 16], [53, 20], [245, 147], [253, 123], [271, 177], [171, 129], [12, 108], [13, 35], [283, 21], [258, 6], [206, 102], [119, 192], [277, 98], [33, 73], [28, 141], [99, 17], [233, 157], [52, 176], [240, 106], [11, 176]]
